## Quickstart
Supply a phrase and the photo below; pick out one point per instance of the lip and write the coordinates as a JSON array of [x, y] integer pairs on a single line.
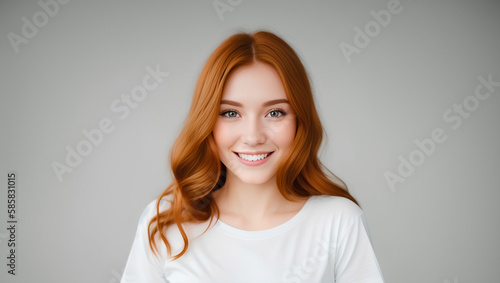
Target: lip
[[253, 152], [253, 163]]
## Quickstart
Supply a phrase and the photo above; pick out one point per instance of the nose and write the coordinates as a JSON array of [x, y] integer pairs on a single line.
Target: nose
[[253, 131]]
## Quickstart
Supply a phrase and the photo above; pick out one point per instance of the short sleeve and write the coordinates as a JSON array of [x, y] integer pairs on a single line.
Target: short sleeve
[[142, 265], [355, 260]]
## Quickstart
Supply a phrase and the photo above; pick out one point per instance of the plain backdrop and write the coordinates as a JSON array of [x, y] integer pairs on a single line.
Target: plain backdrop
[[64, 65]]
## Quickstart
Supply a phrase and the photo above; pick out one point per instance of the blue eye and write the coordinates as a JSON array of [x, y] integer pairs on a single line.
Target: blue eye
[[230, 114], [276, 113]]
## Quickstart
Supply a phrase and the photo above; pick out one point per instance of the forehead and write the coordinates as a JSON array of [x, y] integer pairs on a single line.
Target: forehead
[[258, 81]]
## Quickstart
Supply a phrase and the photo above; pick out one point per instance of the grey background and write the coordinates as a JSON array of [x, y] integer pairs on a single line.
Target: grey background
[[440, 225]]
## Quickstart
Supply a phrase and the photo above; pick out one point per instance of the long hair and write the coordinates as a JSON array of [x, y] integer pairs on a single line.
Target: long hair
[[196, 166]]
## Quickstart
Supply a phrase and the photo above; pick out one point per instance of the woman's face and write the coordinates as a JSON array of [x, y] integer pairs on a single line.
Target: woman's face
[[256, 125]]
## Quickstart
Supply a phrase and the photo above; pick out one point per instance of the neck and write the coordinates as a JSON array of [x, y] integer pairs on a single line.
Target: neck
[[249, 201]]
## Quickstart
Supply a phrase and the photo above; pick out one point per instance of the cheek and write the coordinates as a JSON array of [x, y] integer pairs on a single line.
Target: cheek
[[284, 134], [222, 135]]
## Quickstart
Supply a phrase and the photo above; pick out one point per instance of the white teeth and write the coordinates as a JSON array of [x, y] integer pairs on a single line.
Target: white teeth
[[253, 157]]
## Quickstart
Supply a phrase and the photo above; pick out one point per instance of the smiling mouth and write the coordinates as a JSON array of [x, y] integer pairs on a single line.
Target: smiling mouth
[[253, 157]]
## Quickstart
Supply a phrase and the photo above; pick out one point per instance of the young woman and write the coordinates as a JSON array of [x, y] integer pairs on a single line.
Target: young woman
[[250, 201]]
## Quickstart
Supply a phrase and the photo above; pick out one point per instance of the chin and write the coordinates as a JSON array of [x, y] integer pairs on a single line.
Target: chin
[[253, 179]]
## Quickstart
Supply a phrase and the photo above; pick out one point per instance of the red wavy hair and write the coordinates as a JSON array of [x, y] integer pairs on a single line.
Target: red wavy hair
[[196, 167]]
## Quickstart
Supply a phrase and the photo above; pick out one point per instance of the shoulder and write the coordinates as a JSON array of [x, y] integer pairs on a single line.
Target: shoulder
[[334, 211], [340, 206], [150, 210], [335, 214]]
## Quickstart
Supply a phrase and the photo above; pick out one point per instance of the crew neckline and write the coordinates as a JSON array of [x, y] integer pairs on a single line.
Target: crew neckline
[[266, 233]]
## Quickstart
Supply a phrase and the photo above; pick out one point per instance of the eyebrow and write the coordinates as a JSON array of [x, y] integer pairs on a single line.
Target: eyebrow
[[268, 103]]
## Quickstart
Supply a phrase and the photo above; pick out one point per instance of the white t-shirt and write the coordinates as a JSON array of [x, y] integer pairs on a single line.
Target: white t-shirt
[[326, 241]]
